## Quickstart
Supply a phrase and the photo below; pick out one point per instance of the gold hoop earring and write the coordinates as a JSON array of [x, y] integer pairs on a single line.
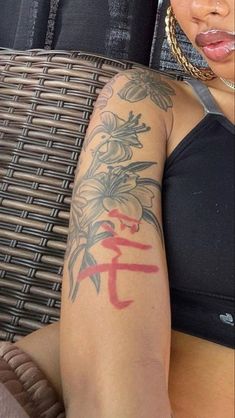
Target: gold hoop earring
[[200, 73]]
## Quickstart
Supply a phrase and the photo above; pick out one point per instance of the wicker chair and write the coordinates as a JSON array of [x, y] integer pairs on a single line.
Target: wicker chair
[[46, 100]]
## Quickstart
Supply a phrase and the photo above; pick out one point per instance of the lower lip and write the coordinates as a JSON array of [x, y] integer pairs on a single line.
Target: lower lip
[[219, 51]]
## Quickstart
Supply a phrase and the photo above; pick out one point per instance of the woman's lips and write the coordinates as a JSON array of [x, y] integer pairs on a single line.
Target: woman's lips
[[216, 45], [219, 51]]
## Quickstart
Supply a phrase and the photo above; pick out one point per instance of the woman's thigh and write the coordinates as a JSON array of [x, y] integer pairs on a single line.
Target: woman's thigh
[[43, 347]]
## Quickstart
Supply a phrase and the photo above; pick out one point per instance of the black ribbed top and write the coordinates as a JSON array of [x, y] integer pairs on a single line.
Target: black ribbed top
[[198, 223]]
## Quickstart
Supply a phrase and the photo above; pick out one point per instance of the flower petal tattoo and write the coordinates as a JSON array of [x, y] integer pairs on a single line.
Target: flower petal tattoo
[[117, 194], [145, 83], [113, 128]]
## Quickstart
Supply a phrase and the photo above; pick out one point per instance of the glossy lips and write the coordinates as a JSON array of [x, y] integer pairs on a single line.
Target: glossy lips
[[216, 44]]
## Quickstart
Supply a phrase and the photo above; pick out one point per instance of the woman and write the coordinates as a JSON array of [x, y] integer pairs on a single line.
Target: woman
[[150, 134]]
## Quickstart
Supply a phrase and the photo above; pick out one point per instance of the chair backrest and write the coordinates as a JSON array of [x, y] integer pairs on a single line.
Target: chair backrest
[[46, 100]]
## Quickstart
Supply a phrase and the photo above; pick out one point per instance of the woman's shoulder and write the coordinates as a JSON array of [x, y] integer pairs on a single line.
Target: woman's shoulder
[[150, 82], [162, 102], [155, 93], [142, 90], [172, 102], [145, 83]]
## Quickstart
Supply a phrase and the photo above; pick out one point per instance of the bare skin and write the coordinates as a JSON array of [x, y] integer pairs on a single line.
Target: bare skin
[[201, 383], [195, 363]]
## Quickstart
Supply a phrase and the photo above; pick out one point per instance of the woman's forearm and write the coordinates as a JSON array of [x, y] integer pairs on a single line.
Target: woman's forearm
[[121, 411], [131, 392]]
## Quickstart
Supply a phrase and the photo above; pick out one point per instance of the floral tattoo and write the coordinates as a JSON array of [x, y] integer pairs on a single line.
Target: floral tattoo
[[112, 189], [142, 84]]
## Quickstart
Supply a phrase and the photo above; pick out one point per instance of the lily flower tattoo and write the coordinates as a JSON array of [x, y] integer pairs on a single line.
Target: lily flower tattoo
[[111, 197]]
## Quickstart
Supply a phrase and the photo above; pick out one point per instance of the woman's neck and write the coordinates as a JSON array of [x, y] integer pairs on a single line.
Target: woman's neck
[[222, 85], [224, 97]]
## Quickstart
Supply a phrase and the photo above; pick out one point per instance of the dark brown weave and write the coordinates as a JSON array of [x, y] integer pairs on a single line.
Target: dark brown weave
[[27, 384], [46, 100]]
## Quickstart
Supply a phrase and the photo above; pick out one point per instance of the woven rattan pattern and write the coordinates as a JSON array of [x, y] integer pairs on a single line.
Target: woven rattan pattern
[[46, 100]]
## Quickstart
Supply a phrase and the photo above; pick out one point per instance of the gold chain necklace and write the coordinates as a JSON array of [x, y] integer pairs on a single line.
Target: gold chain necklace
[[228, 83]]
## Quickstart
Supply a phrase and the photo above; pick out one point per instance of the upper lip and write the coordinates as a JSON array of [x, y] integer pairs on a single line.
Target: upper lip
[[213, 36]]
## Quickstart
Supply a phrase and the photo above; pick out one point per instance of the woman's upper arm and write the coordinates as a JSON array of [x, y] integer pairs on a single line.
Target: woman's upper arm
[[115, 299]]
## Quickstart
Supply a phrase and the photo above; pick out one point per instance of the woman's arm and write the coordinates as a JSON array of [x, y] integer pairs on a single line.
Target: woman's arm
[[115, 319]]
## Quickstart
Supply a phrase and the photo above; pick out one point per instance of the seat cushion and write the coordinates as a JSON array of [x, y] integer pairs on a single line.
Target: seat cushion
[[24, 390]]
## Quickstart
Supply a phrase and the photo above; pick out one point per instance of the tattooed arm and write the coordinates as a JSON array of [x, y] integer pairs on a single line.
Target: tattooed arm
[[115, 318]]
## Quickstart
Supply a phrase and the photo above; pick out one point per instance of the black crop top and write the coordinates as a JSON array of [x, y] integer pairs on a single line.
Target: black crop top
[[198, 224]]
